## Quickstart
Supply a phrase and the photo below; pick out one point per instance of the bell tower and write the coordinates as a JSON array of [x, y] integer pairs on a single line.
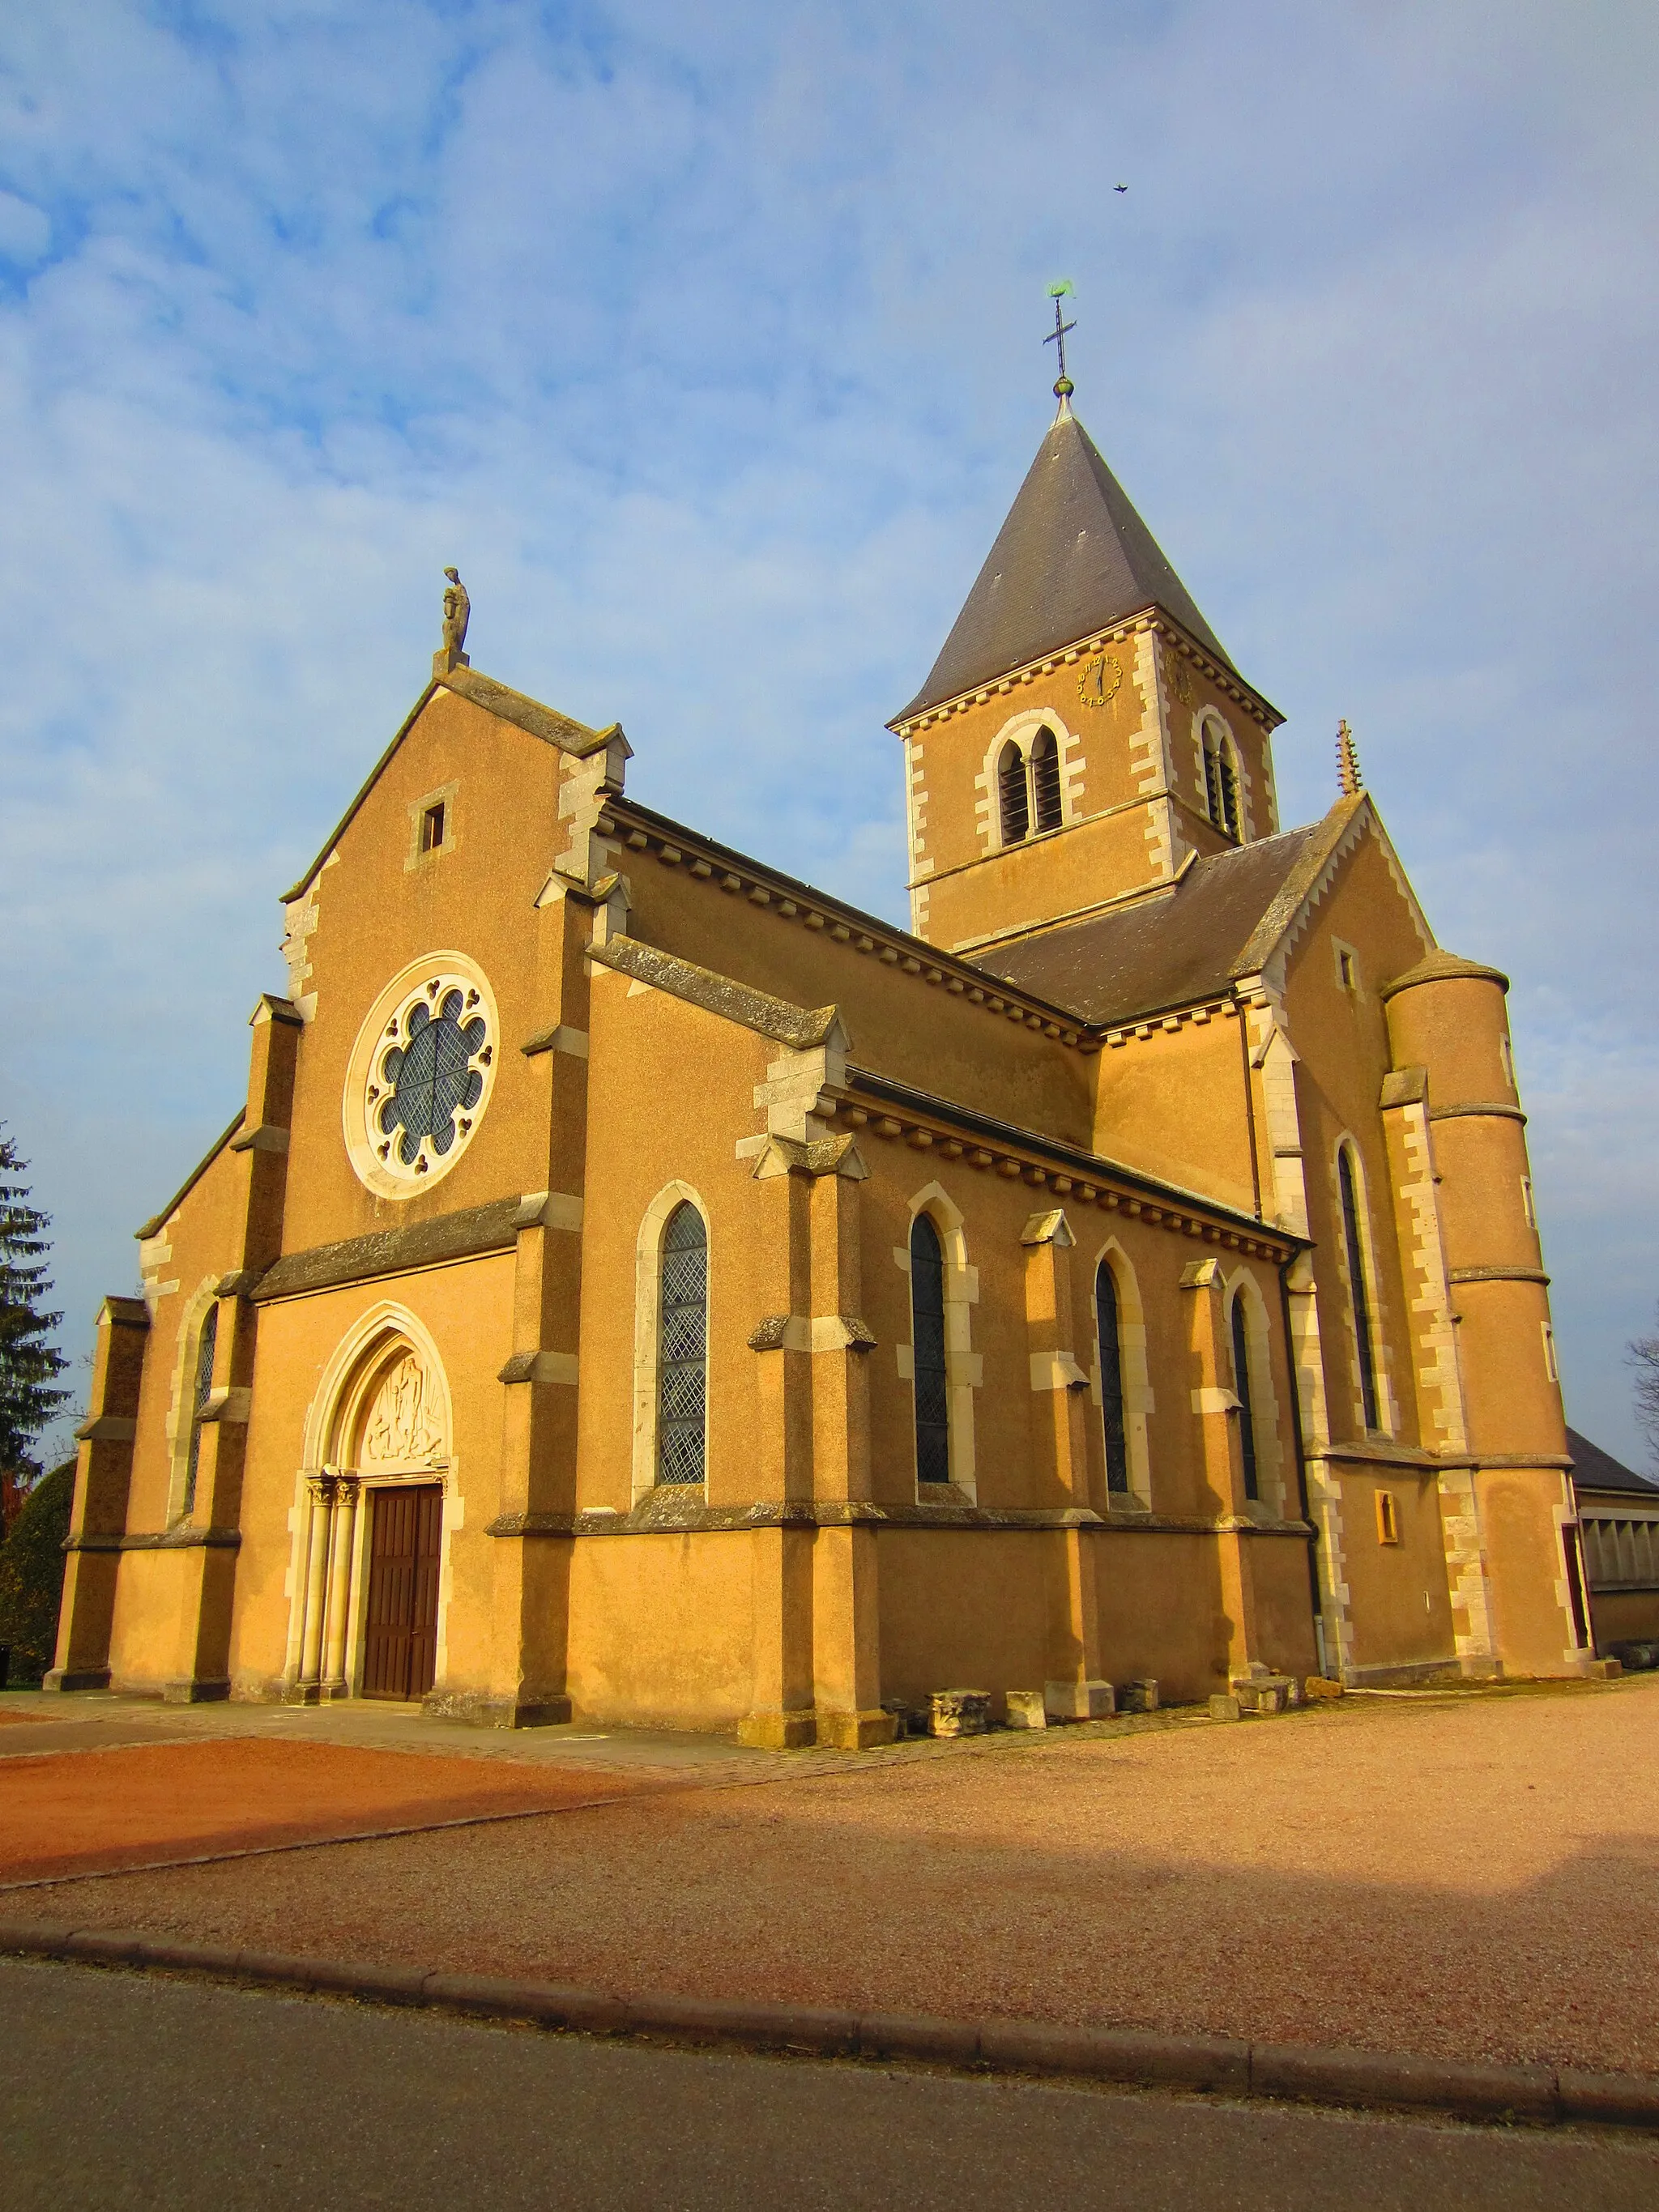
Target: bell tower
[[1082, 733]]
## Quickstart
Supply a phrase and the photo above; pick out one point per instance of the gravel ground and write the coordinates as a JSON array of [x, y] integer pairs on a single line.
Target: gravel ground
[[70, 1812], [1468, 1875]]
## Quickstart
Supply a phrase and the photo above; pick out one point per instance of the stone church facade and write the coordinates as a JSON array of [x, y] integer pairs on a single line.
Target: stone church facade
[[640, 1287]]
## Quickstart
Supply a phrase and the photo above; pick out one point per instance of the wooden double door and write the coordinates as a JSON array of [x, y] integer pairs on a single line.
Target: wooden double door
[[400, 1640]]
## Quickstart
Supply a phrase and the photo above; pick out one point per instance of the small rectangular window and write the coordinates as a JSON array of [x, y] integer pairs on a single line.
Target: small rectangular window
[[1527, 1205], [432, 828], [1347, 971], [1387, 1518], [1550, 1367], [1507, 1055]]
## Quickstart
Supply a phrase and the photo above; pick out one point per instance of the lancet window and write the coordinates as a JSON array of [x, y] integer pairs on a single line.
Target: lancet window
[[1011, 794], [1111, 1379], [683, 1354], [1221, 782], [1046, 806], [1030, 799], [1246, 1406], [1358, 1286], [927, 1340], [206, 1345]]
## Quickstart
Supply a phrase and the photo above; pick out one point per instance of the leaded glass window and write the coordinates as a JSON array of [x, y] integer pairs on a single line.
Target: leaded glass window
[[432, 1083], [1045, 781], [927, 1338], [1012, 792], [1359, 1290], [1246, 1410], [204, 1350], [682, 1349], [1111, 1380]]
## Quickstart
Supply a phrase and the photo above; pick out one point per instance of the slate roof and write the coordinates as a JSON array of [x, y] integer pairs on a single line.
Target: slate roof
[[1594, 1470], [1072, 556], [1181, 946]]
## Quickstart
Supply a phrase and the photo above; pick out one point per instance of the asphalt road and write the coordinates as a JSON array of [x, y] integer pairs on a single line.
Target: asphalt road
[[120, 2089]]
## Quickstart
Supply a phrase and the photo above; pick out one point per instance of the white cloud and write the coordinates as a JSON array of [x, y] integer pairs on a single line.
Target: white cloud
[[707, 344]]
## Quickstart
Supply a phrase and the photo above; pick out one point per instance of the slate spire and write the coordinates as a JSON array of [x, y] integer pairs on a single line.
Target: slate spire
[[1072, 557]]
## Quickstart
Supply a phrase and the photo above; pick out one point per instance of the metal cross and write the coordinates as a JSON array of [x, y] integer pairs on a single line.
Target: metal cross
[[1056, 337]]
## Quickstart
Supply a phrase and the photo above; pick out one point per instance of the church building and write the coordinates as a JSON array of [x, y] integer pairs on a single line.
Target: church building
[[639, 1287]]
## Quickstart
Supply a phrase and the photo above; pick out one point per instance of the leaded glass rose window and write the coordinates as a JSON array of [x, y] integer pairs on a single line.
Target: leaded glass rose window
[[421, 1075], [428, 1086]]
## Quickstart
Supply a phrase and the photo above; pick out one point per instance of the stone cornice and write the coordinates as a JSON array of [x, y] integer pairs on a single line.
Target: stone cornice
[[674, 846], [870, 1103], [1227, 681], [430, 1243], [660, 1515], [801, 1028]]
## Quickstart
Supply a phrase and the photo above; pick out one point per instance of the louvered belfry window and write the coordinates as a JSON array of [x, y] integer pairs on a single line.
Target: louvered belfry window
[[1246, 1410], [682, 1349], [1227, 774], [1045, 781], [204, 1350], [1111, 1380], [1011, 788], [927, 1338]]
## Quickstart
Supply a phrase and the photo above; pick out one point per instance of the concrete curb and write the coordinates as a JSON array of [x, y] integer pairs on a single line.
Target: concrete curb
[[1369, 2080]]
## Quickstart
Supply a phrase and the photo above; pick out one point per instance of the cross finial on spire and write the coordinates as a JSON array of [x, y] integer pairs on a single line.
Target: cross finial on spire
[[1063, 385], [1348, 778]]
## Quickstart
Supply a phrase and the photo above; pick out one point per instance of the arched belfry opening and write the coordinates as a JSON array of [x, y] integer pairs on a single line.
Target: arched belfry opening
[[369, 1566]]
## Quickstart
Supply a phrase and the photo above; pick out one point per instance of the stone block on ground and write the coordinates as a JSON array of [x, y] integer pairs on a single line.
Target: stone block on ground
[[1079, 1701], [959, 1712], [1320, 1686], [1137, 1697], [1026, 1710], [1224, 1707]]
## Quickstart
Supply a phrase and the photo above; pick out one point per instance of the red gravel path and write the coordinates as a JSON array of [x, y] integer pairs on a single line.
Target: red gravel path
[[1474, 1876], [75, 1811]]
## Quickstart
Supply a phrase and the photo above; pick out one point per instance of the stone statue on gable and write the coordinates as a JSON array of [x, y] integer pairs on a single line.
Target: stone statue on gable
[[457, 609]]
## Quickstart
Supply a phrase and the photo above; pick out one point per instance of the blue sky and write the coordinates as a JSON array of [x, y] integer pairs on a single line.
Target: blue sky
[[706, 340]]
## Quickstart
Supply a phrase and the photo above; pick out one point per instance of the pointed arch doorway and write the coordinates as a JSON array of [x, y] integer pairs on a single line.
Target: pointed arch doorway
[[369, 1616]]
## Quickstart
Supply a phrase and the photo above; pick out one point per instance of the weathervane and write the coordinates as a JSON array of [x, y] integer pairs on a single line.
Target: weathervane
[[1063, 385]]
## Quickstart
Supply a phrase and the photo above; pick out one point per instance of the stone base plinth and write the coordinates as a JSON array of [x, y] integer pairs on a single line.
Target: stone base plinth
[[210, 1690], [779, 1731], [862, 1731], [483, 1709], [75, 1678]]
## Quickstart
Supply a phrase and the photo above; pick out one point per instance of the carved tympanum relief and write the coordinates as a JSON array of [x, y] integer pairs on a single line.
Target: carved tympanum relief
[[403, 1425]]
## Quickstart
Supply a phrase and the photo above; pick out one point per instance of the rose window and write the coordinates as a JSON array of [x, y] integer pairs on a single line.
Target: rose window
[[421, 1073], [429, 1078]]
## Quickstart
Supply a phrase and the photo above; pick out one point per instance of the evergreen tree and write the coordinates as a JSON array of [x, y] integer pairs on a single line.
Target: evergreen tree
[[29, 1364], [32, 1575]]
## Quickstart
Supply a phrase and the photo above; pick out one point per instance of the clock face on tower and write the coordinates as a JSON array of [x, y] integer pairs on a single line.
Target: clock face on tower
[[420, 1075]]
